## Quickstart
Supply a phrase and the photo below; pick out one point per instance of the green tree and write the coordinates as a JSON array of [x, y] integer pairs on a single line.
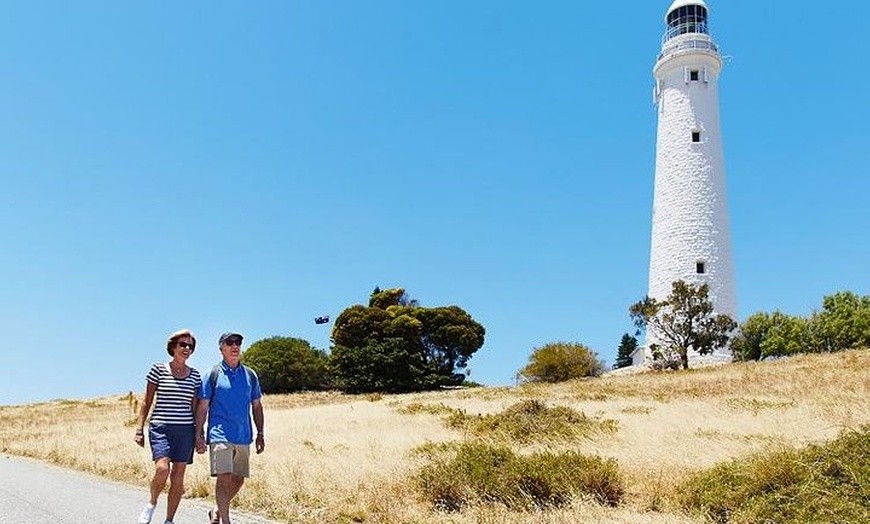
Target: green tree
[[684, 321], [746, 344], [561, 361], [286, 364], [787, 335], [383, 365], [844, 322], [623, 355], [394, 344]]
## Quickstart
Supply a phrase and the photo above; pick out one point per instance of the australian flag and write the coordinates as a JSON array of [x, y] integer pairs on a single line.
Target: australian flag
[[321, 320]]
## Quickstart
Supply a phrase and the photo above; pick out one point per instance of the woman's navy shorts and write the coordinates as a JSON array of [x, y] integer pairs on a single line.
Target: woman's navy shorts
[[171, 440]]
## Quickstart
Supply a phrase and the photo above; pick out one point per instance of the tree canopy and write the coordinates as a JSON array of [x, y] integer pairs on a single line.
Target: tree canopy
[[286, 364], [844, 322], [394, 344], [776, 334], [684, 321]]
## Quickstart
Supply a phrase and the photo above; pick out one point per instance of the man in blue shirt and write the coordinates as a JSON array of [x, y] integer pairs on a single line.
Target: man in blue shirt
[[229, 395]]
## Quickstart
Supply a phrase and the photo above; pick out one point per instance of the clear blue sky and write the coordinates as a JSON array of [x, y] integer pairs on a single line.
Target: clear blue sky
[[249, 166]]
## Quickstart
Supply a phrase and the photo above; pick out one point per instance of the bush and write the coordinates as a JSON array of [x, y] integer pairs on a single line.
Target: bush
[[531, 421], [480, 473], [820, 483], [560, 361], [286, 364]]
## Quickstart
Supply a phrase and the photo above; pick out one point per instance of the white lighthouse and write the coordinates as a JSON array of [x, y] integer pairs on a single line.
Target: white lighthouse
[[691, 239]]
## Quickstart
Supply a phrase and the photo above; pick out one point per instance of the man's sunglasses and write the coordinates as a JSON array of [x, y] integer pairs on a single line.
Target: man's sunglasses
[[233, 342], [186, 345]]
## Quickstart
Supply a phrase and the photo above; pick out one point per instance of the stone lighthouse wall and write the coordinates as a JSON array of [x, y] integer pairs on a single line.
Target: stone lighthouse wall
[[691, 238]]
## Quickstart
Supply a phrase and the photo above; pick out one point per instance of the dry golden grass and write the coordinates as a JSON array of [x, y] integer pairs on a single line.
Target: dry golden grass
[[339, 459]]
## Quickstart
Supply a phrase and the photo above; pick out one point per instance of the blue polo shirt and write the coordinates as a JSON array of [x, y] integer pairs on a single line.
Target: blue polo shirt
[[229, 411]]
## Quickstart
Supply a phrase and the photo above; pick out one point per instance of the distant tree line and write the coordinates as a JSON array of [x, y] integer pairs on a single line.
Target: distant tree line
[[394, 344], [391, 345], [842, 323], [685, 321]]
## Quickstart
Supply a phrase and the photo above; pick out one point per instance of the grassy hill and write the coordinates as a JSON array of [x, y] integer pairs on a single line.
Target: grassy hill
[[676, 447]]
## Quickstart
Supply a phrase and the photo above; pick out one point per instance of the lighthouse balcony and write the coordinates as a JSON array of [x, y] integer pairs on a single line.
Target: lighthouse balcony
[[690, 43]]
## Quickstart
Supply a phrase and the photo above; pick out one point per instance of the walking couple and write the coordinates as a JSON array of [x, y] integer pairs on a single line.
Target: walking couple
[[194, 414]]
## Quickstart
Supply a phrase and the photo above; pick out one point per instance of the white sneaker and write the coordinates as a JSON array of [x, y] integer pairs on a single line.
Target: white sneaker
[[147, 513]]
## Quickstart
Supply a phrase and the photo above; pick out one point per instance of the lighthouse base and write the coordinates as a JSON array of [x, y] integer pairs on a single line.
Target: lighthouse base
[[643, 357]]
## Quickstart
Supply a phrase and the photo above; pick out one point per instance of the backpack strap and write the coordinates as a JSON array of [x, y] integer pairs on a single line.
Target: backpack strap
[[213, 377], [253, 380]]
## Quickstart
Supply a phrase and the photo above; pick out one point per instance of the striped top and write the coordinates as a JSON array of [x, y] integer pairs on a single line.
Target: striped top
[[174, 395]]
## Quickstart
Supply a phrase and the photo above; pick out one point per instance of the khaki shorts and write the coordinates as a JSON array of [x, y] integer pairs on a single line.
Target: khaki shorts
[[229, 458]]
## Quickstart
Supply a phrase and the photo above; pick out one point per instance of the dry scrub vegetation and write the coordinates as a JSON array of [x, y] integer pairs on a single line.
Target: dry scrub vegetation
[[443, 457]]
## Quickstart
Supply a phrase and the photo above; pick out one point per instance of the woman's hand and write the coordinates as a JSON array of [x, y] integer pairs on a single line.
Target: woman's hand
[[139, 438]]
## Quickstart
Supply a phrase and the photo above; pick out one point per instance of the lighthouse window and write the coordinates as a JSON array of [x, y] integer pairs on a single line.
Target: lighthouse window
[[693, 75], [696, 136], [687, 19], [700, 268]]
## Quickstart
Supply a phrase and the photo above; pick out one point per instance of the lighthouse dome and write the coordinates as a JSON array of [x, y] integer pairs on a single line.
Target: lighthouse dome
[[682, 3]]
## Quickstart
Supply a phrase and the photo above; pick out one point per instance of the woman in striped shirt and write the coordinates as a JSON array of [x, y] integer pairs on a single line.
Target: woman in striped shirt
[[170, 432]]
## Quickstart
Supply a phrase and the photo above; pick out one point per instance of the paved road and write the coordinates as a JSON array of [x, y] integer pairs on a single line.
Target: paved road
[[35, 493]]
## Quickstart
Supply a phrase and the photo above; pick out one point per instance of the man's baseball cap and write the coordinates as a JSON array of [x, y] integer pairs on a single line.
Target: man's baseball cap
[[230, 334]]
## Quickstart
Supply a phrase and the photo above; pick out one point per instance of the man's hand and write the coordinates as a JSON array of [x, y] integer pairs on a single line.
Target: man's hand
[[260, 443], [200, 444]]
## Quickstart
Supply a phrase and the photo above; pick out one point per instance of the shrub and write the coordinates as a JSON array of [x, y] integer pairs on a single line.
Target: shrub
[[820, 483], [560, 361], [531, 421], [430, 409], [481, 473]]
